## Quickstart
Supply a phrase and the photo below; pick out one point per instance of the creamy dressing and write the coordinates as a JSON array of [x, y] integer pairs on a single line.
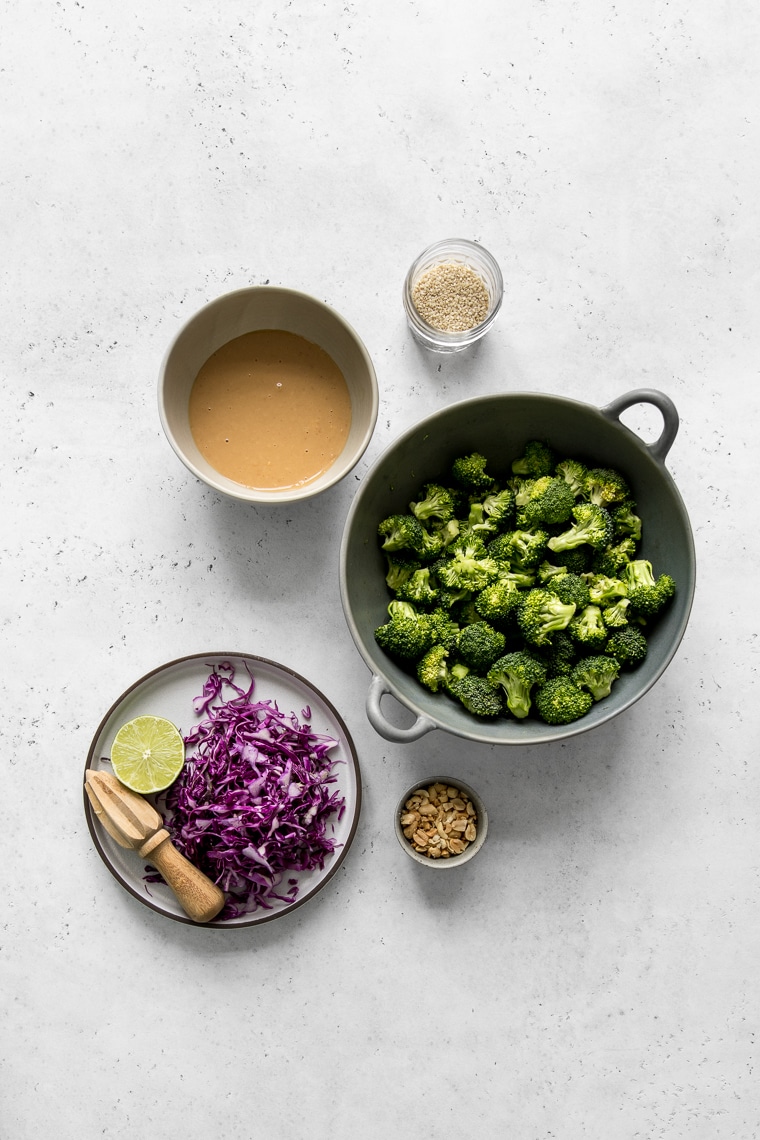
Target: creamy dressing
[[270, 410]]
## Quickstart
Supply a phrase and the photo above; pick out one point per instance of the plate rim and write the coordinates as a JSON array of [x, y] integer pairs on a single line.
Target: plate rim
[[244, 923]]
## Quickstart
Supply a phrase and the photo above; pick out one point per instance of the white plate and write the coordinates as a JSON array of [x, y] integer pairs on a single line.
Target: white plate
[[169, 691]]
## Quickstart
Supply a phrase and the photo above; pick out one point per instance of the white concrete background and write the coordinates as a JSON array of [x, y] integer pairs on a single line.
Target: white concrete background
[[594, 972]]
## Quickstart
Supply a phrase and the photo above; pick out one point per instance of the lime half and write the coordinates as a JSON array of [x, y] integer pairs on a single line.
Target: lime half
[[147, 754]]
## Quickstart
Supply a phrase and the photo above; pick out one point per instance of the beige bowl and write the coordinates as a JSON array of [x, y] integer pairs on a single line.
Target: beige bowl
[[249, 310], [452, 860]]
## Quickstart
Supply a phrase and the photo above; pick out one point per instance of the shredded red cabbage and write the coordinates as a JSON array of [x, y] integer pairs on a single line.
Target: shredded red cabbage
[[254, 800]]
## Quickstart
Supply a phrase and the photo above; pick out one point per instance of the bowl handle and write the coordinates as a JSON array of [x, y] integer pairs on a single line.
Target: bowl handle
[[377, 691], [660, 448]]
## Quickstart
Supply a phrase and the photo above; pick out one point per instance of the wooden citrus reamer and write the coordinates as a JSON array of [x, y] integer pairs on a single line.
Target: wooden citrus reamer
[[133, 822]]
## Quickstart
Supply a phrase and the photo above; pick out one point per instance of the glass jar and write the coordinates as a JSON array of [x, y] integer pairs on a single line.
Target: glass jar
[[457, 252]]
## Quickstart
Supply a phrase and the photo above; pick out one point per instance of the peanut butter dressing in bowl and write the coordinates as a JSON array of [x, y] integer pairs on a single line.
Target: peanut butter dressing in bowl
[[270, 410], [268, 395]]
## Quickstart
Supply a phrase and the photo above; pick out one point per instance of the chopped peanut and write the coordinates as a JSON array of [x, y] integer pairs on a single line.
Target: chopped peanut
[[439, 821]]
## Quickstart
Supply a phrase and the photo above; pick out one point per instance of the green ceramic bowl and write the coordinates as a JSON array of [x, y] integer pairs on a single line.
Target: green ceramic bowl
[[499, 426]]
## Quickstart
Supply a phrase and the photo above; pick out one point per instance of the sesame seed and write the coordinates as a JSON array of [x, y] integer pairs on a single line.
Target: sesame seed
[[451, 297]]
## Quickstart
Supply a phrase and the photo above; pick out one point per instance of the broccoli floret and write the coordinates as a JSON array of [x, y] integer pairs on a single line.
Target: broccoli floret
[[523, 549], [616, 615], [517, 673], [626, 522], [605, 485], [450, 599], [548, 571], [624, 551], [407, 634], [499, 506], [574, 474], [570, 588], [540, 614], [476, 695], [588, 628], [406, 533], [560, 655], [648, 603], [487, 516], [468, 567], [432, 668], [502, 550], [604, 590], [627, 645], [560, 701], [466, 613], [478, 522], [551, 502], [445, 629], [432, 543], [596, 673], [436, 503], [473, 544], [447, 532], [419, 588], [401, 566], [647, 594], [457, 671], [463, 496], [469, 472], [400, 609], [401, 532], [522, 579], [612, 560], [592, 527], [528, 547], [536, 460], [479, 645], [500, 547], [499, 600], [528, 491], [522, 488], [638, 572], [576, 561]]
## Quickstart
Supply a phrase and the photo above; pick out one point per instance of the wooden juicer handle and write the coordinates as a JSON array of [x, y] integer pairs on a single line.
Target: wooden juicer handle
[[200, 898]]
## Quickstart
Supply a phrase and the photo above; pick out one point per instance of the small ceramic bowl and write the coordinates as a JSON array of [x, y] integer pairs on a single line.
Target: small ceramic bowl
[[456, 252], [251, 310], [472, 848]]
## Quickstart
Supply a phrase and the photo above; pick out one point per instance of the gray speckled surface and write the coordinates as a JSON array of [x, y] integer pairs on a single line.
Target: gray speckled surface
[[593, 971]]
